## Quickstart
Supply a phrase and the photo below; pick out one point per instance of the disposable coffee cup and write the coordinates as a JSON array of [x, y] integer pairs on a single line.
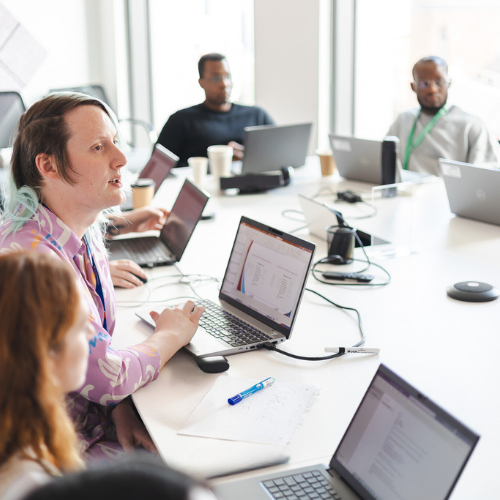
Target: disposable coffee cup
[[220, 160], [199, 166], [143, 191], [326, 161]]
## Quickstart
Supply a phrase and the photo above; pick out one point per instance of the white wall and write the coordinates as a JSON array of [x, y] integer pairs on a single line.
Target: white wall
[[61, 30], [78, 39], [287, 60]]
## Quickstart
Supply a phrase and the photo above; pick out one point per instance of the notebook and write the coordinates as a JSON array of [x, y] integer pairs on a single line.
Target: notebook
[[361, 160], [150, 251], [272, 147], [472, 190], [399, 445], [157, 168], [260, 294]]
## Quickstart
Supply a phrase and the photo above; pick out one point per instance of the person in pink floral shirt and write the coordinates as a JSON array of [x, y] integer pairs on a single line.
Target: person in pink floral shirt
[[65, 171]]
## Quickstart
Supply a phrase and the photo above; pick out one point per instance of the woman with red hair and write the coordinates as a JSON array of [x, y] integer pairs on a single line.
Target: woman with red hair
[[44, 333], [44, 336]]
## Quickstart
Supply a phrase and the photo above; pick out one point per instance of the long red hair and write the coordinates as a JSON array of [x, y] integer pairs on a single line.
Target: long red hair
[[39, 303]]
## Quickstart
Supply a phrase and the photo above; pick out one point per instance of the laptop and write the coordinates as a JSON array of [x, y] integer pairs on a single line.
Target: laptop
[[319, 216], [157, 168], [399, 445], [168, 248], [361, 160], [472, 190], [260, 294], [272, 147]]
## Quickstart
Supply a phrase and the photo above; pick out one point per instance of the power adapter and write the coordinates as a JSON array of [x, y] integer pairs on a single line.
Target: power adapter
[[348, 196]]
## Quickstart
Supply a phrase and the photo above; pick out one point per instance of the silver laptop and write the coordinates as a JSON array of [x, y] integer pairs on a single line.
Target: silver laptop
[[157, 168], [473, 191], [361, 160], [399, 446], [319, 216], [168, 248], [272, 147], [260, 295]]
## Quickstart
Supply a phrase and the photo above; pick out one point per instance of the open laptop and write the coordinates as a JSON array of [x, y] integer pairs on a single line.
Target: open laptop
[[272, 147], [319, 216], [157, 168], [361, 160], [150, 251], [260, 294], [399, 446], [473, 191]]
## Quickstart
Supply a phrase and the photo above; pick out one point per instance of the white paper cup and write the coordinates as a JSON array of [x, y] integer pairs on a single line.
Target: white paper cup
[[199, 166], [143, 191], [220, 160]]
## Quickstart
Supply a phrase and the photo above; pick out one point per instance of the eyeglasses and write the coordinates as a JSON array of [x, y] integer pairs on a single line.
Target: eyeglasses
[[220, 78], [425, 84]]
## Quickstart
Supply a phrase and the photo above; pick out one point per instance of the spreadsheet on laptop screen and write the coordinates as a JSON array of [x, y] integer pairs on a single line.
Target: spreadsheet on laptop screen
[[266, 273]]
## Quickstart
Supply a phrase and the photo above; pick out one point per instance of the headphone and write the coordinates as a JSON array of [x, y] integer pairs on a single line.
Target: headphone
[[341, 241]]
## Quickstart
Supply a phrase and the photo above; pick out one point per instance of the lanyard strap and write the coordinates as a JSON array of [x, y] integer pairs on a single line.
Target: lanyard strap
[[412, 145], [98, 286]]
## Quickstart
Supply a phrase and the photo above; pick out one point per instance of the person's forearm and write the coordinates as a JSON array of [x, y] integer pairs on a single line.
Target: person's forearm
[[166, 344]]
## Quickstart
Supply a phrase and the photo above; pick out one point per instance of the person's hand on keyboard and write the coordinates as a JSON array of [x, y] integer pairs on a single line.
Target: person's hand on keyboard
[[139, 220], [175, 327]]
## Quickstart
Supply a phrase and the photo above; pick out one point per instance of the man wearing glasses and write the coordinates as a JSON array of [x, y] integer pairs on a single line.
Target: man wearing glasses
[[438, 130], [190, 131]]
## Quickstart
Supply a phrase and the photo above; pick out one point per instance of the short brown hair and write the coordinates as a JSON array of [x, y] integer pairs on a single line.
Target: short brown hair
[[39, 302], [43, 129]]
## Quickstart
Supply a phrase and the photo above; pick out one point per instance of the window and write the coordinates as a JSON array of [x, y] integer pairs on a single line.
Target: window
[[181, 32], [391, 35]]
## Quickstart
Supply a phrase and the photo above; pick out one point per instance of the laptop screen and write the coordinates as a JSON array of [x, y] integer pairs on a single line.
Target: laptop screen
[[183, 217], [402, 446], [272, 147], [159, 165], [266, 274]]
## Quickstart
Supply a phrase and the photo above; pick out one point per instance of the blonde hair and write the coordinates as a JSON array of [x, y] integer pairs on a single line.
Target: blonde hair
[[39, 303]]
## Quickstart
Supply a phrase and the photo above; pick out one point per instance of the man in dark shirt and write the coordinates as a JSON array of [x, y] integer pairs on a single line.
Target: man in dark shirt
[[189, 132]]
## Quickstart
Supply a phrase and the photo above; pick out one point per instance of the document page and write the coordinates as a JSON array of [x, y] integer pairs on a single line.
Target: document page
[[269, 416]]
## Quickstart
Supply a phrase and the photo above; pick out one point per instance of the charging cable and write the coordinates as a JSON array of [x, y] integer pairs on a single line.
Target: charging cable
[[342, 350]]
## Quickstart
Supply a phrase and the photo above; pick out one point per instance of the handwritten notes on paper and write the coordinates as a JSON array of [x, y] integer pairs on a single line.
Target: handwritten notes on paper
[[269, 416]]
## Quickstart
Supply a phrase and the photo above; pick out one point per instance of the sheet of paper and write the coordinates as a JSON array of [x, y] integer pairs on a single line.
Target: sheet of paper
[[269, 416]]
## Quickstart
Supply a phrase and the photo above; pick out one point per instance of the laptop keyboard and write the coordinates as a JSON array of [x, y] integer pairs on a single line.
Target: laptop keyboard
[[225, 326], [301, 487], [145, 250]]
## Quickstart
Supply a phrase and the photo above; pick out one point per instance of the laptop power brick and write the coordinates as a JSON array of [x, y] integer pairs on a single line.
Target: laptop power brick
[[349, 196]]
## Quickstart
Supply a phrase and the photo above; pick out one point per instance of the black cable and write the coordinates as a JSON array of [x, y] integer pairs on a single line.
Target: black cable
[[338, 193], [356, 235], [272, 347], [314, 272]]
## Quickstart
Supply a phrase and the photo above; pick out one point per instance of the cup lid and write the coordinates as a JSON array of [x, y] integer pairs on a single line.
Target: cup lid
[[220, 149], [143, 182]]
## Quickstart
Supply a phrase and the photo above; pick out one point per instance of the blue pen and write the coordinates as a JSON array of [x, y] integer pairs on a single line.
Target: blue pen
[[257, 387]]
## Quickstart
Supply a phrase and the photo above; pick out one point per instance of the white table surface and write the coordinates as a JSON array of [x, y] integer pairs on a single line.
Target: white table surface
[[446, 348]]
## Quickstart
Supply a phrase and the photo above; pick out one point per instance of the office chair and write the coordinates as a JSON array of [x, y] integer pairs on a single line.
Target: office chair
[[11, 109]]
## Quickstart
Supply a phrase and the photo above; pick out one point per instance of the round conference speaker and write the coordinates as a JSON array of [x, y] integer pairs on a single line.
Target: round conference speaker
[[472, 291]]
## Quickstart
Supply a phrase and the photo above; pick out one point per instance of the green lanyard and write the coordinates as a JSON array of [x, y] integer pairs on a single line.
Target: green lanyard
[[410, 145]]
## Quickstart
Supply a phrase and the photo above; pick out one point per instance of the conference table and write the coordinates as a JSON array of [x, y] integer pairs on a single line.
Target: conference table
[[447, 349]]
